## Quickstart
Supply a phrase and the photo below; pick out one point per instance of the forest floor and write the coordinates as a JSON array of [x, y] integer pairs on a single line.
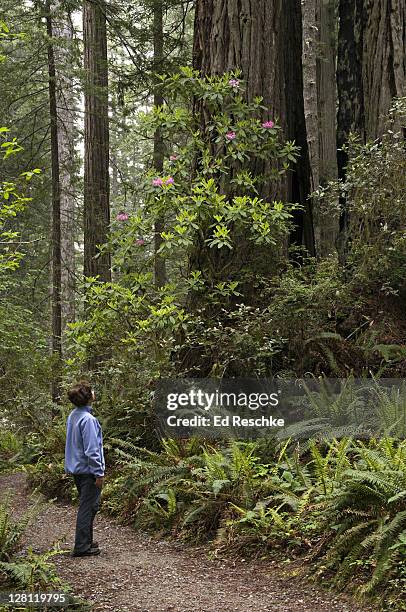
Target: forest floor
[[136, 572]]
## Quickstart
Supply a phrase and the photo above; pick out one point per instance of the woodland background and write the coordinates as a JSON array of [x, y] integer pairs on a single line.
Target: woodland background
[[209, 188]]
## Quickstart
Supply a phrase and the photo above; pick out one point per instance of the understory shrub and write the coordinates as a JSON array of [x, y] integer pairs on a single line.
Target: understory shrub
[[340, 505]]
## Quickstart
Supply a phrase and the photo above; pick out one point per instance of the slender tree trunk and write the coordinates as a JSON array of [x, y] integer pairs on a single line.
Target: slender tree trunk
[[327, 114], [311, 107], [63, 31], [159, 151], [96, 171], [350, 95], [319, 93], [262, 38], [56, 217]]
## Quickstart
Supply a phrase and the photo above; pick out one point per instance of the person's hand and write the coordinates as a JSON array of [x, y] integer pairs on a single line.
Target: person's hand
[[100, 481]]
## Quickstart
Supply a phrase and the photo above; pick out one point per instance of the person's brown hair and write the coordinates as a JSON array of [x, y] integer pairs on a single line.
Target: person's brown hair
[[81, 394]]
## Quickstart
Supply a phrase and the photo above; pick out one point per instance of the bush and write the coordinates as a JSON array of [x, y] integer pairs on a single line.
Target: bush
[[340, 505], [48, 476]]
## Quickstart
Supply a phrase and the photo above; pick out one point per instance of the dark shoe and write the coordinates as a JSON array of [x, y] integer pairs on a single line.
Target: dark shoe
[[95, 545], [87, 553]]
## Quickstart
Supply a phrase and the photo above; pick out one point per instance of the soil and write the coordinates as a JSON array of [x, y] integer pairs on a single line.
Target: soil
[[136, 572]]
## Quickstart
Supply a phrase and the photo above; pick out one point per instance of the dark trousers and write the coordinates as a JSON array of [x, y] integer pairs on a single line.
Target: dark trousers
[[89, 499]]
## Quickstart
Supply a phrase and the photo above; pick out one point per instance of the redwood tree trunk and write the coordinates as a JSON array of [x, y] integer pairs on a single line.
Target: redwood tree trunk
[[63, 31], [263, 39], [159, 261], [371, 71], [384, 60], [320, 101], [96, 171], [327, 107], [56, 217]]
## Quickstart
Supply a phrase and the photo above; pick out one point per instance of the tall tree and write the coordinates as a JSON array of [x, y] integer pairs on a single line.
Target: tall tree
[[371, 65], [327, 113], [320, 101], [56, 213], [159, 261], [96, 166], [64, 58], [263, 38]]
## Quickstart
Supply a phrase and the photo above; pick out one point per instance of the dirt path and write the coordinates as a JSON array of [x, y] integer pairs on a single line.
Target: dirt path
[[137, 573]]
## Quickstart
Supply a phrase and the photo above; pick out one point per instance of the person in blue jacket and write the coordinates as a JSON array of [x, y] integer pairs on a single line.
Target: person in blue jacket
[[84, 459]]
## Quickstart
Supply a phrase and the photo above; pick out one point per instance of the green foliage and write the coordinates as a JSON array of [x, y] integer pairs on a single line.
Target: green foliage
[[43, 461], [207, 193], [12, 202], [49, 477], [369, 512], [10, 446], [10, 531], [340, 505], [33, 572], [374, 190]]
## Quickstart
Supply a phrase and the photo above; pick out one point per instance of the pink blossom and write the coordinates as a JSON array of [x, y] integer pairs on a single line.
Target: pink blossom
[[157, 182], [140, 242], [231, 135], [173, 158], [169, 180], [122, 216], [235, 83], [268, 124]]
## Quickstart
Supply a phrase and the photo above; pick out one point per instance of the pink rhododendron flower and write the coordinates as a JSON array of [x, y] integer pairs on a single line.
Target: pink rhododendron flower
[[231, 135], [157, 182], [268, 124], [122, 216], [173, 158], [140, 242], [169, 180], [234, 83]]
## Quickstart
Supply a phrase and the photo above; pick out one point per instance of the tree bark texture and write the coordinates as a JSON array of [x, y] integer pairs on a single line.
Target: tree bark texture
[[63, 32], [371, 71], [310, 90], [263, 39], [384, 65], [327, 112], [320, 101], [56, 216], [96, 166], [371, 64]]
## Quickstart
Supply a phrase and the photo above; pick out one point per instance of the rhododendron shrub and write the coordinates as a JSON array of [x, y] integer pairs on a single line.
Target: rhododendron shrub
[[208, 193], [210, 196]]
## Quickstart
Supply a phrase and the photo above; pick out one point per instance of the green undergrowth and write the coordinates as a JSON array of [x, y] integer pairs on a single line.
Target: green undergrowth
[[336, 507], [27, 570], [339, 506]]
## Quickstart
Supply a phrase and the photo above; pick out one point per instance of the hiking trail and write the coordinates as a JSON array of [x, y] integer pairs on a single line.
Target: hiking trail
[[138, 573]]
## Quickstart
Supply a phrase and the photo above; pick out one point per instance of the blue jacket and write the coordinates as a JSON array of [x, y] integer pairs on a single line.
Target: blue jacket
[[84, 443]]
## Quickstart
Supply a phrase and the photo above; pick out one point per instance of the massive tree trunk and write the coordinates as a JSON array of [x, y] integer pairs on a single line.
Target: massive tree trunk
[[96, 172], [263, 39], [159, 261], [371, 71], [63, 31], [56, 217], [371, 65], [384, 60]]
